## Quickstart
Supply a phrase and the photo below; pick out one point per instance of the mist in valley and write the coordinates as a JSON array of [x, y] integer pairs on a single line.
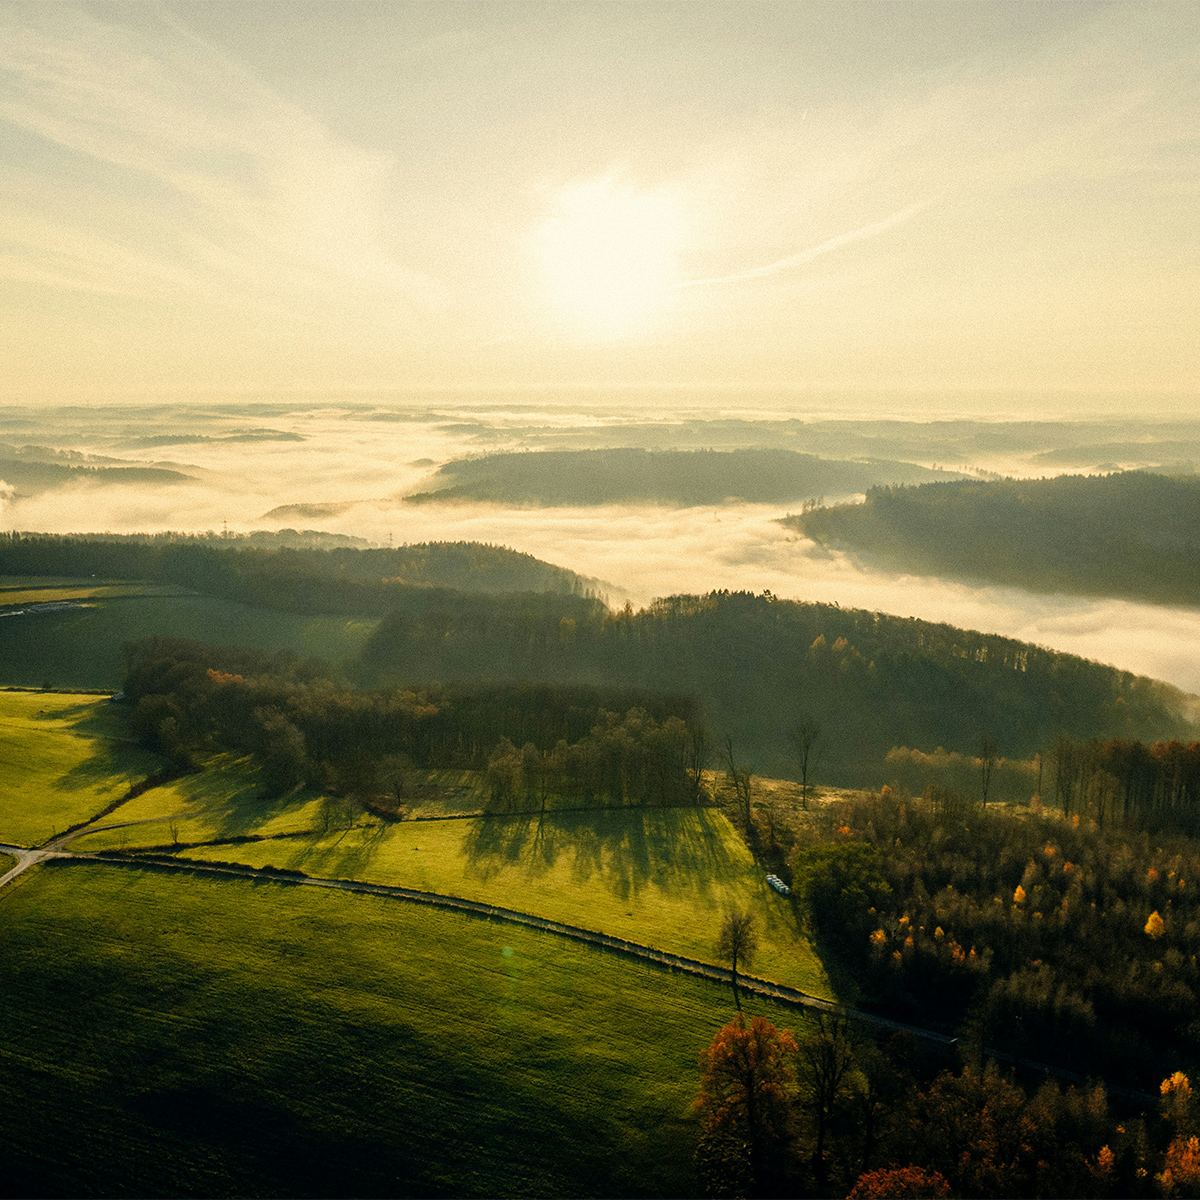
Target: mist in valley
[[350, 469]]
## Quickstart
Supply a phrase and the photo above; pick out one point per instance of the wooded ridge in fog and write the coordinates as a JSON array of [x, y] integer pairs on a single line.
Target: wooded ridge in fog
[[1132, 534], [343, 579], [759, 663], [677, 477]]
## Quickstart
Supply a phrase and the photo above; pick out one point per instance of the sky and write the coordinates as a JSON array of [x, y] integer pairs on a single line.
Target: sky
[[877, 199]]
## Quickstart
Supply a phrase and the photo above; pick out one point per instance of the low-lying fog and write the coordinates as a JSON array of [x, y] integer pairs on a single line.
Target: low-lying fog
[[348, 468]]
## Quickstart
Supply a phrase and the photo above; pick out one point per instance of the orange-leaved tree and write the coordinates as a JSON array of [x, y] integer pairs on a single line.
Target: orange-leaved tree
[[1181, 1167], [744, 1103], [899, 1183]]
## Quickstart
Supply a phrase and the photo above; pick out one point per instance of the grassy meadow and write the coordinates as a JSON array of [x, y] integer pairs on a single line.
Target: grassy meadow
[[16, 590], [660, 877], [222, 801], [62, 759], [81, 647], [175, 1035], [657, 876]]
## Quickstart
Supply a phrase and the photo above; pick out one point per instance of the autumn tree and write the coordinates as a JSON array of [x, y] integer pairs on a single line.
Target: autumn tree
[[737, 943], [971, 1127], [900, 1183], [805, 740], [745, 1104]]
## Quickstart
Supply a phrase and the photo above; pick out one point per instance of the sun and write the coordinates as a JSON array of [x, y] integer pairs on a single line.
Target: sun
[[608, 253]]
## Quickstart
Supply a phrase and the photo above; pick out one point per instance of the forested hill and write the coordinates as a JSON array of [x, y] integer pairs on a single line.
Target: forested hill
[[342, 579], [1132, 534], [758, 664], [674, 477], [29, 478]]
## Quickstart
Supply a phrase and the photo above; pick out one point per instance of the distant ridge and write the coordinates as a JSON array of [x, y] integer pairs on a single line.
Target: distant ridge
[[681, 478]]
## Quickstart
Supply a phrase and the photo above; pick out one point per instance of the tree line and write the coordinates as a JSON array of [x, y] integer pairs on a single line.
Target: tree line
[[598, 745], [344, 580], [1128, 782], [757, 662]]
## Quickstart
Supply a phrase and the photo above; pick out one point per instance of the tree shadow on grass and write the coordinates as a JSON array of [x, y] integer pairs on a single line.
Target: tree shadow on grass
[[228, 794], [348, 856], [626, 849]]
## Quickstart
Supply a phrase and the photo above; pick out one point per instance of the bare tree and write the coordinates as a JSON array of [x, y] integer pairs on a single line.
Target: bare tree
[[699, 752], [737, 942], [825, 1061], [987, 765], [806, 738], [740, 778]]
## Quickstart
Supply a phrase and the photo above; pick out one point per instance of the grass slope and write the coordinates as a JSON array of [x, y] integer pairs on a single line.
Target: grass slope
[[62, 759], [15, 591], [187, 1036], [660, 877], [221, 802], [82, 647]]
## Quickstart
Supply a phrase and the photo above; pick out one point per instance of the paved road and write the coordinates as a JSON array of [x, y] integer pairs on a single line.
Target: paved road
[[26, 858], [55, 848]]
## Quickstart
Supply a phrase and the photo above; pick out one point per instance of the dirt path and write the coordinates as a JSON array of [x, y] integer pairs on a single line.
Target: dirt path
[[676, 962]]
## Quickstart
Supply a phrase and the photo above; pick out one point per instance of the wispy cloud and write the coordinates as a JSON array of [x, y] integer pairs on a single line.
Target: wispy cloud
[[806, 256], [250, 195]]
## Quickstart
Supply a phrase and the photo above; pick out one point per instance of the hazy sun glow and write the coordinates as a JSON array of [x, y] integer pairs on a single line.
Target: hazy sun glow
[[608, 253]]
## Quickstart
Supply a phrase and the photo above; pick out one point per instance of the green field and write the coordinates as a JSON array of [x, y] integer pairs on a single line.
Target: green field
[[661, 877], [63, 758], [81, 647], [222, 801], [658, 877], [175, 1035], [27, 590]]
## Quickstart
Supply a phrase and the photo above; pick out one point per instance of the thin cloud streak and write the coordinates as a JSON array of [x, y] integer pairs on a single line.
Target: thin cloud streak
[[806, 256], [253, 198]]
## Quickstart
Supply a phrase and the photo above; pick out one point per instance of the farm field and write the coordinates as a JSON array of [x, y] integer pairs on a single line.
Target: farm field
[[15, 590], [81, 647], [221, 801], [63, 758], [189, 1036], [662, 877]]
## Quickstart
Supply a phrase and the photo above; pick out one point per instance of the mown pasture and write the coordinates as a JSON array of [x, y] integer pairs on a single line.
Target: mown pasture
[[17, 590], [170, 1034], [655, 876], [662, 877], [224, 800], [63, 758]]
